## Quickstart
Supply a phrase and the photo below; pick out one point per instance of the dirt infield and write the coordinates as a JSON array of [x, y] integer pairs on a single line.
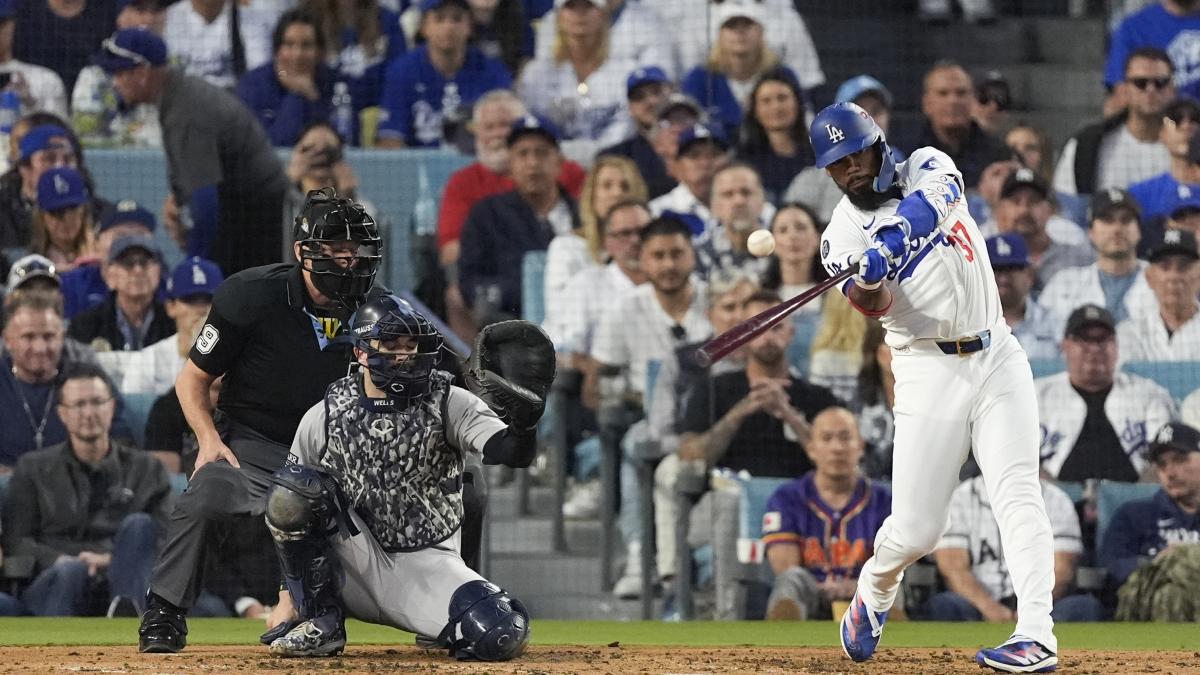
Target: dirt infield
[[616, 660]]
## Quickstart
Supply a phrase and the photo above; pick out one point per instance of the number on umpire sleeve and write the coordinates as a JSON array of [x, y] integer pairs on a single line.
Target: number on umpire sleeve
[[207, 339]]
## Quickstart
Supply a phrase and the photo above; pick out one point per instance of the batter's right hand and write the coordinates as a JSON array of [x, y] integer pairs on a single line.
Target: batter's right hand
[[872, 268], [212, 451]]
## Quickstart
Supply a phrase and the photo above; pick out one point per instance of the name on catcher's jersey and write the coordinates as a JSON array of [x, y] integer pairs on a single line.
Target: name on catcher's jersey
[[943, 286]]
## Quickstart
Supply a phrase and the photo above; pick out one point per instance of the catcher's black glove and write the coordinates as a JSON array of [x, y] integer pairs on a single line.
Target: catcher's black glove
[[511, 369]]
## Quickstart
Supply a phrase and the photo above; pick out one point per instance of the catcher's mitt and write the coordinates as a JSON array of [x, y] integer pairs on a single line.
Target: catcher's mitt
[[511, 369]]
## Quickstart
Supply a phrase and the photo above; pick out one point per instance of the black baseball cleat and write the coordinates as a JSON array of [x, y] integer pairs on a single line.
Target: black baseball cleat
[[163, 629]]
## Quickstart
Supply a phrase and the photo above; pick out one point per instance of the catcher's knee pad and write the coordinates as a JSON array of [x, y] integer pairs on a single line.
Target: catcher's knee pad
[[300, 504], [486, 623]]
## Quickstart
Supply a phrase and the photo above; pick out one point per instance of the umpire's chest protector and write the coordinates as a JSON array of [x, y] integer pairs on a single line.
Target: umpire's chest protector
[[396, 468]]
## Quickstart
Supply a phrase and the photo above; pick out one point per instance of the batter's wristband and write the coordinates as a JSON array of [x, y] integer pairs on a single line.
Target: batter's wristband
[[868, 287]]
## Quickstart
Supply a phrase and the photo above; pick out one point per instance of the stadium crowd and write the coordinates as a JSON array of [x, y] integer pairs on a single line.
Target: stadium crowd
[[635, 146]]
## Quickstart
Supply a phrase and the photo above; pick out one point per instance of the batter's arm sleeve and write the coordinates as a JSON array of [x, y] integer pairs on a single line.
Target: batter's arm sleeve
[[309, 438], [935, 188]]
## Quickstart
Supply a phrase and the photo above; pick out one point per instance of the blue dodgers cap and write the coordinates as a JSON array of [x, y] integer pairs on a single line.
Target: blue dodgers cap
[[61, 188], [859, 85], [42, 137], [699, 133], [430, 5], [131, 241], [129, 48], [194, 276], [532, 124], [647, 75], [129, 211], [1007, 250]]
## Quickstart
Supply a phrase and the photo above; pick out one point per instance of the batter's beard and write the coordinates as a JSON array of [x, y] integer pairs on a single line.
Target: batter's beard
[[869, 200]]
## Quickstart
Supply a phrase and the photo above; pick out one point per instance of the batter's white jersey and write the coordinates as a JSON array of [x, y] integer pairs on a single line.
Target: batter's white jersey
[[1136, 408], [973, 527], [943, 286]]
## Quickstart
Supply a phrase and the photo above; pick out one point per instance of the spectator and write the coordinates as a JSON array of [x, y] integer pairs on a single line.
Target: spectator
[[62, 224], [501, 30], [76, 28], [41, 148], [39, 87], [361, 38], [820, 528], [132, 318], [795, 267], [1024, 208], [221, 165], [293, 89], [991, 105], [1029, 145], [84, 286], [1169, 25], [774, 135], [1148, 540], [89, 510], [812, 185], [739, 58], [33, 272], [701, 150], [1035, 327], [738, 208], [611, 181], [152, 370], [1117, 280], [1161, 195], [648, 91], [946, 104], [876, 400], [579, 86], [1123, 149], [98, 114], [836, 357], [1094, 419], [168, 435], [1186, 216], [1169, 329], [218, 41], [433, 87], [939, 11], [501, 229], [637, 34], [757, 420], [971, 561]]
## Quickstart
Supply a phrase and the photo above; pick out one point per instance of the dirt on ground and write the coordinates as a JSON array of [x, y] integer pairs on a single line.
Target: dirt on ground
[[614, 659]]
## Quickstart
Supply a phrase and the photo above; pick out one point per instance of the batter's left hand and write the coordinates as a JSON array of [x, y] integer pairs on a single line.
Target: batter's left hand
[[894, 233]]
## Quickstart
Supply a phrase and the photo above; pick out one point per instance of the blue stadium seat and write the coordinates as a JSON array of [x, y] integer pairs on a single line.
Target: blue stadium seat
[[1073, 489], [1178, 377], [136, 410], [3, 488], [179, 481], [1044, 367], [755, 493], [1110, 495], [533, 287]]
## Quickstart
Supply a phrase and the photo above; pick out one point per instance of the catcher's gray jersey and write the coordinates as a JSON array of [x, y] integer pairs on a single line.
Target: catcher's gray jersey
[[401, 471]]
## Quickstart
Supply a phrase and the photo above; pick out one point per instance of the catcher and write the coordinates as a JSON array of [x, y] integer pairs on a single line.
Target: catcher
[[366, 514]]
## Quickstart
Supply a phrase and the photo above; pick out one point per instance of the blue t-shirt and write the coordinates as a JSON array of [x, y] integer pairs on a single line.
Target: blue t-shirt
[[1161, 195], [1140, 529], [832, 542], [362, 71], [1154, 26], [416, 96], [1115, 289]]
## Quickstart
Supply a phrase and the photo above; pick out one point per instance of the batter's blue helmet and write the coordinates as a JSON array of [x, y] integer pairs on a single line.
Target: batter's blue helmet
[[843, 129]]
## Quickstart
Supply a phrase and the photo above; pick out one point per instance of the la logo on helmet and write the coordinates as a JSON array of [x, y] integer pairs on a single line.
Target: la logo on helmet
[[835, 134]]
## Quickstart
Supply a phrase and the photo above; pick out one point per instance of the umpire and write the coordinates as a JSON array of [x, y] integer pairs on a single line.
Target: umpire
[[276, 335]]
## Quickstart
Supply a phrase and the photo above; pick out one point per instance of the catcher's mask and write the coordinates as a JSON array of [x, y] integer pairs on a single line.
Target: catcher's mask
[[401, 345], [339, 246]]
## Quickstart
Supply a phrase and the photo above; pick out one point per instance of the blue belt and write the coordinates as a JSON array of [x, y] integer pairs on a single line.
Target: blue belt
[[968, 345]]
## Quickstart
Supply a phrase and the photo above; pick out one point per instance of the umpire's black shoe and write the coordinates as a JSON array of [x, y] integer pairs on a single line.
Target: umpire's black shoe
[[163, 629]]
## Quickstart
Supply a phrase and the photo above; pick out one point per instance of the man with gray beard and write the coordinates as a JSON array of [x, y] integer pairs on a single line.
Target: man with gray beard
[[739, 207]]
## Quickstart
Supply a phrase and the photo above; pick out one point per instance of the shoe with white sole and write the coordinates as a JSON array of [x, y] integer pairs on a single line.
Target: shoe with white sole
[[1019, 655], [861, 630]]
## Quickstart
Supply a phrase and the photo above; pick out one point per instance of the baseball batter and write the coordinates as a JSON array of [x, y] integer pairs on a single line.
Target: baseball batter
[[962, 381], [366, 515]]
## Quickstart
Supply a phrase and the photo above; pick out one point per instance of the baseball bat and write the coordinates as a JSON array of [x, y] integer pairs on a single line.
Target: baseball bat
[[722, 345]]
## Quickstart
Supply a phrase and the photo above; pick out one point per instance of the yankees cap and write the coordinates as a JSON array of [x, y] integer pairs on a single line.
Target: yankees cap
[[1022, 178], [1174, 436], [1089, 315], [1107, 201], [1173, 242]]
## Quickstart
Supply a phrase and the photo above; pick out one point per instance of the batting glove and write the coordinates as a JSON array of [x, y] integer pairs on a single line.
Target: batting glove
[[872, 268], [893, 233]]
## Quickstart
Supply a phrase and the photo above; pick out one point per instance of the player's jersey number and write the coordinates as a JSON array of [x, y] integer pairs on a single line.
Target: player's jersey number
[[962, 238]]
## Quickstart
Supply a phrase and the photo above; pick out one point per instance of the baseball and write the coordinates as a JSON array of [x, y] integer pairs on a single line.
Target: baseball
[[761, 243]]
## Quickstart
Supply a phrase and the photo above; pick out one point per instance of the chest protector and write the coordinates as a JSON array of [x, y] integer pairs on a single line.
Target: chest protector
[[395, 468]]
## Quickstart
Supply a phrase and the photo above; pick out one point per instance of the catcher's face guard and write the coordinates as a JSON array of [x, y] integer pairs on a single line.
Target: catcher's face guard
[[339, 247], [398, 347]]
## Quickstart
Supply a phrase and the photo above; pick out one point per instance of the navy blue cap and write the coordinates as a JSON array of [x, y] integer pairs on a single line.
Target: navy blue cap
[[7, 9], [430, 5], [61, 188], [1089, 315], [1105, 202], [647, 75], [698, 133], [129, 48], [532, 124], [1173, 242], [1024, 178], [41, 138], [1008, 250], [123, 244], [129, 211], [1174, 436], [194, 276], [859, 85]]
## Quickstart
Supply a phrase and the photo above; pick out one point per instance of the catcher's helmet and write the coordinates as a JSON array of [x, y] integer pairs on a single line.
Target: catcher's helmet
[[843, 129], [403, 376], [325, 221]]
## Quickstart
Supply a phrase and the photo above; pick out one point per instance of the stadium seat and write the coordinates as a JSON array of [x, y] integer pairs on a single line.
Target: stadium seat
[[179, 482], [1180, 378], [533, 287], [1073, 489], [1044, 367], [1110, 495], [136, 412]]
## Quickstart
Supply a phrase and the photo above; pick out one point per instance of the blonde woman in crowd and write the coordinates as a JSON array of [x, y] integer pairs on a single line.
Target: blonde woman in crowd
[[794, 268], [62, 221], [837, 348]]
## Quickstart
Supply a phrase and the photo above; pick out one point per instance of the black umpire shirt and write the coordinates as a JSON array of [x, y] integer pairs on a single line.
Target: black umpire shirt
[[278, 353]]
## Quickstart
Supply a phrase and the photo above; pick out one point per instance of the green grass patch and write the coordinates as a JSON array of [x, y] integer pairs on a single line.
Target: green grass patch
[[1123, 636]]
